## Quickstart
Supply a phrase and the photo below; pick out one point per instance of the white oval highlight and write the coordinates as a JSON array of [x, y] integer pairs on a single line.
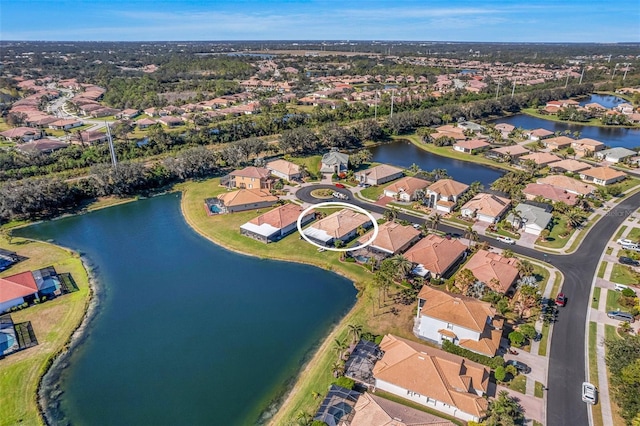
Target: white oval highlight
[[338, 204]]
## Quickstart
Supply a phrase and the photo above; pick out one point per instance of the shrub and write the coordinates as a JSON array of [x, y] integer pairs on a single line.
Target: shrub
[[500, 374], [510, 369], [495, 362], [528, 331], [345, 382], [627, 292], [318, 423], [516, 338]]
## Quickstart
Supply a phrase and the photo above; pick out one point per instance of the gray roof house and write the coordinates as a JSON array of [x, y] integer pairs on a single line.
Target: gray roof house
[[531, 219], [615, 155], [334, 162]]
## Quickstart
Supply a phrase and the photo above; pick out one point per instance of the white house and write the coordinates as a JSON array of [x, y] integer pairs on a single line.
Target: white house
[[615, 155], [530, 218], [443, 194], [276, 224], [405, 189], [486, 207], [17, 289], [284, 169]]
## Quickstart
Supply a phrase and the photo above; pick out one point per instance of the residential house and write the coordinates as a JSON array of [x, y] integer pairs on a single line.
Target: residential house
[[250, 178], [448, 131], [531, 219], [342, 225], [42, 146], [373, 410], [549, 192], [602, 175], [379, 174], [243, 199], [444, 193], [472, 146], [505, 129], [406, 189], [145, 123], [538, 134], [334, 162], [497, 272], [435, 256], [22, 134], [170, 121], [615, 155], [540, 158], [508, 153], [27, 286], [392, 238], [129, 113], [568, 165], [433, 378], [486, 207], [284, 169], [558, 142], [582, 146], [90, 137], [338, 407], [276, 224], [65, 124], [571, 185]]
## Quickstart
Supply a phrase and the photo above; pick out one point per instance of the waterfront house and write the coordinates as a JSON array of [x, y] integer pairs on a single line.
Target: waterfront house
[[540, 158], [508, 153], [170, 121], [27, 286], [568, 184], [582, 146], [558, 142], [15, 337], [435, 256], [338, 407], [464, 321], [284, 169], [531, 219], [472, 146], [373, 410], [406, 189], [243, 199], [497, 272], [392, 238], [615, 155], [65, 124], [379, 174], [549, 192], [433, 378], [342, 225], [505, 129], [538, 134], [486, 207], [276, 224], [334, 162], [602, 175], [444, 193], [249, 178], [568, 165]]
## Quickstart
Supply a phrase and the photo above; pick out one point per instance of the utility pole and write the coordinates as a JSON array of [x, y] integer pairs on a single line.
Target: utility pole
[[498, 89], [614, 71], [566, 82], [112, 150], [375, 107], [625, 72], [393, 91], [513, 89], [581, 75]]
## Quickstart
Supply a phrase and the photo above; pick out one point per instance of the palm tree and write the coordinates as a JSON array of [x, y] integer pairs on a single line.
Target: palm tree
[[337, 369], [355, 330], [525, 268], [435, 220], [304, 419], [463, 280], [574, 218], [391, 214], [339, 346], [504, 410], [402, 266]]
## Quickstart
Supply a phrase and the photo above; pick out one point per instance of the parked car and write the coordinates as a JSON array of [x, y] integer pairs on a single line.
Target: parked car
[[628, 261], [589, 393], [561, 300], [621, 316], [506, 240], [521, 367], [620, 287], [339, 185], [624, 241]]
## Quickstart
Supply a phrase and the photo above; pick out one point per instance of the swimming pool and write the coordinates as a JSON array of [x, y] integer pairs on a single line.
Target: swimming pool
[[215, 209], [7, 340]]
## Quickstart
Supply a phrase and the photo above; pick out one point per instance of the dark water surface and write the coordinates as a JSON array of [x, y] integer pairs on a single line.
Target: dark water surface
[[403, 154], [187, 332]]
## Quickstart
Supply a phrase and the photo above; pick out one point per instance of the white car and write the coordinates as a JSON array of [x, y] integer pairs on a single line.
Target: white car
[[624, 241], [506, 240], [589, 393]]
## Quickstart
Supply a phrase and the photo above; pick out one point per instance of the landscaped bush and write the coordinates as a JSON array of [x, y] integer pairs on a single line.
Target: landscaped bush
[[516, 338], [500, 374], [345, 382], [493, 363]]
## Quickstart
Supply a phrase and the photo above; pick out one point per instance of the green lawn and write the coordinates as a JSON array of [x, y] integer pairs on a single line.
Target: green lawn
[[609, 250], [313, 162], [593, 370], [372, 192], [610, 332], [634, 234], [623, 274], [620, 232], [612, 300], [538, 392], [52, 321], [554, 240], [601, 269], [582, 233], [595, 302], [628, 184], [518, 384]]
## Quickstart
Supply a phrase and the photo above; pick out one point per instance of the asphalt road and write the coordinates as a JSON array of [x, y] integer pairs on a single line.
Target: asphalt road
[[567, 350]]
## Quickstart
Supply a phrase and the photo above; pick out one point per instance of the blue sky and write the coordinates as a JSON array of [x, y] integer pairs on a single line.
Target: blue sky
[[433, 20]]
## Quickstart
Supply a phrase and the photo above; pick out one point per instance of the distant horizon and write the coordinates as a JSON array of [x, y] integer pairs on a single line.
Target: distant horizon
[[452, 21], [324, 41]]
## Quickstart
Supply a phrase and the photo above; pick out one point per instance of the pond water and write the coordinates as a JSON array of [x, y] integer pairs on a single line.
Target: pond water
[[607, 101], [403, 153], [186, 332]]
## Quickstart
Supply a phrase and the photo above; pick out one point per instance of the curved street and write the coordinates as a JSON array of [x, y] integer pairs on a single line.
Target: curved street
[[567, 362]]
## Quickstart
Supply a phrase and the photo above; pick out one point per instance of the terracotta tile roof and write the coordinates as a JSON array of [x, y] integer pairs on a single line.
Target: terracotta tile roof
[[568, 184], [587, 142], [487, 345], [487, 204], [559, 141], [246, 196], [379, 172], [284, 166], [550, 192], [448, 187], [541, 158], [341, 223], [16, 286], [252, 172], [407, 184], [472, 144], [464, 311], [603, 173], [434, 373], [279, 217], [488, 267], [570, 165], [372, 410], [511, 150], [435, 253], [392, 237], [541, 133]]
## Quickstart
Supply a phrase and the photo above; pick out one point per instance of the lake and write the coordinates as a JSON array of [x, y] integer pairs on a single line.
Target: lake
[[626, 138], [403, 154], [186, 332]]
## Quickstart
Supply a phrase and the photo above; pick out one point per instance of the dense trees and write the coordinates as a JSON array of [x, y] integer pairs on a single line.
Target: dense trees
[[623, 360]]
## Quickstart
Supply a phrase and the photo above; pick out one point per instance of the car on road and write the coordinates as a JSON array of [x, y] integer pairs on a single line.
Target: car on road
[[339, 185], [416, 225], [628, 261], [506, 240], [340, 196], [589, 393], [521, 367], [620, 316], [561, 300]]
